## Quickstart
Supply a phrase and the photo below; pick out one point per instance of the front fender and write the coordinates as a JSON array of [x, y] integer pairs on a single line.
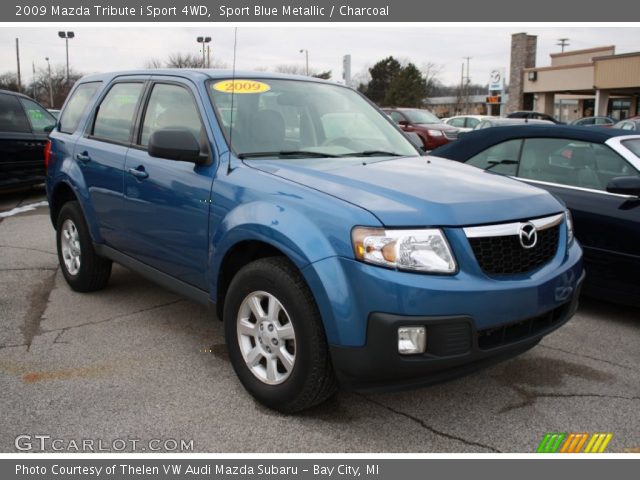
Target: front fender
[[279, 226]]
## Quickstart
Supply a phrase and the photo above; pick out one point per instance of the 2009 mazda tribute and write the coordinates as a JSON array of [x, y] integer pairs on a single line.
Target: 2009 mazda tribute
[[333, 252]]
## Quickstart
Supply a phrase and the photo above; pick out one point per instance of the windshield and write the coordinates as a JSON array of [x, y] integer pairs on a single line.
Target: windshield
[[294, 119], [421, 116], [633, 145]]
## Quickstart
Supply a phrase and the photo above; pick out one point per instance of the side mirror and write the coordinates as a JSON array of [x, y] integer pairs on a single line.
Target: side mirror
[[175, 144], [403, 123], [49, 128], [625, 186]]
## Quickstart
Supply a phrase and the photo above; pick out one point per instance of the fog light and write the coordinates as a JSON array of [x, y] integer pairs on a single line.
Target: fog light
[[412, 340]]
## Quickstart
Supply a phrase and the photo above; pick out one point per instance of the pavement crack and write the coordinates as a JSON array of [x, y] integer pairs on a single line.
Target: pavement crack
[[433, 430], [37, 305], [63, 330], [529, 398], [13, 346], [582, 355], [28, 269], [29, 249]]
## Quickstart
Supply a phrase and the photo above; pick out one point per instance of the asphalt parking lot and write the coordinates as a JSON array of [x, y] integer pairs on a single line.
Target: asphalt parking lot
[[135, 361]]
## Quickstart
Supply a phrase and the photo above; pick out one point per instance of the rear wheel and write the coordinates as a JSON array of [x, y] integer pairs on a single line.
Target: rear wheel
[[275, 337], [83, 269]]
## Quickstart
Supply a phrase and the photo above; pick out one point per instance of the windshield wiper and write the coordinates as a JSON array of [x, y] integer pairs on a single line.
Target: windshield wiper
[[372, 153], [286, 154], [495, 163]]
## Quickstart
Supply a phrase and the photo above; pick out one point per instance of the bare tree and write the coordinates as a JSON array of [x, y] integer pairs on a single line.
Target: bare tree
[[9, 81], [153, 63], [58, 86], [294, 69], [183, 60], [431, 73]]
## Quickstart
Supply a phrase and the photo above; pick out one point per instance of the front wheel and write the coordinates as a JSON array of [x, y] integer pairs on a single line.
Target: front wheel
[[275, 337]]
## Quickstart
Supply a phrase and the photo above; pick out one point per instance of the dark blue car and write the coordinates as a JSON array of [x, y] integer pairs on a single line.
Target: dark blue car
[[595, 172], [333, 252]]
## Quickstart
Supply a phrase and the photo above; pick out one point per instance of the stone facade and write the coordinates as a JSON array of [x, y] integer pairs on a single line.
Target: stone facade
[[523, 55]]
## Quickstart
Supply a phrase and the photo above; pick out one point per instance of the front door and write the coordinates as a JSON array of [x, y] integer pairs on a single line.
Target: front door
[[167, 201]]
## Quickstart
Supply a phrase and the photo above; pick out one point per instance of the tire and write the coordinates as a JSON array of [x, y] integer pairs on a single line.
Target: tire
[[294, 385], [82, 268]]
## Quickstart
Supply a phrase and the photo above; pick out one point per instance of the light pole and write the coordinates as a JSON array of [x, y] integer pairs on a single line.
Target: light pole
[[306, 54], [49, 81], [67, 36], [203, 40]]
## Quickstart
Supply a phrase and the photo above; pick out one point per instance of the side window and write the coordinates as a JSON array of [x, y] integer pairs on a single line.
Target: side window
[[170, 106], [501, 158], [570, 162], [76, 106], [472, 122], [457, 122], [41, 121], [114, 119], [12, 117]]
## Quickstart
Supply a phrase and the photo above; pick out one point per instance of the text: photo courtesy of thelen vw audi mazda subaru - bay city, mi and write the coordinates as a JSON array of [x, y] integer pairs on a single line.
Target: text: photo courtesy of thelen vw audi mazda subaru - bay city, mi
[[332, 250]]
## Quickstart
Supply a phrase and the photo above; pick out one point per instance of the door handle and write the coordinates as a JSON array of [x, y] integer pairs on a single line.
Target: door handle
[[138, 172], [83, 157]]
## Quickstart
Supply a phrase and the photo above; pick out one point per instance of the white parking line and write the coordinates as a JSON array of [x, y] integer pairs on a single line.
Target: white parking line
[[24, 208]]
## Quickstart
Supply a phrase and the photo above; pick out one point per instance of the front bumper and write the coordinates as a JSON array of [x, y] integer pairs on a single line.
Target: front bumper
[[454, 347]]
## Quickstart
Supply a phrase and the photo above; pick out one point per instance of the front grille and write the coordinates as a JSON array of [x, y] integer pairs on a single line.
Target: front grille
[[450, 135], [514, 332], [504, 255]]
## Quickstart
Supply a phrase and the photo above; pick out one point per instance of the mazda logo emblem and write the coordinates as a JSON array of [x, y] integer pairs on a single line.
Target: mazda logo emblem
[[528, 235]]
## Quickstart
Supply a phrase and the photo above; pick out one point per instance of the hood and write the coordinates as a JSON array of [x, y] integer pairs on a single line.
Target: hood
[[418, 191]]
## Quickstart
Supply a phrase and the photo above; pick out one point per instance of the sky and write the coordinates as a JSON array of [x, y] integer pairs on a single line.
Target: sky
[[98, 49]]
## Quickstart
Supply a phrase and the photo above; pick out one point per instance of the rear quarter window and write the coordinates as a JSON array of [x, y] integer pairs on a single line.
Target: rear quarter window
[[77, 106], [12, 116]]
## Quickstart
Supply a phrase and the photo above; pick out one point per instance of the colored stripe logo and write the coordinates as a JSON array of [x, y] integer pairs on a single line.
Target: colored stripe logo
[[555, 442]]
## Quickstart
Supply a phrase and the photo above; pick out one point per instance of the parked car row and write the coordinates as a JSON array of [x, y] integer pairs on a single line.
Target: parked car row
[[24, 128]]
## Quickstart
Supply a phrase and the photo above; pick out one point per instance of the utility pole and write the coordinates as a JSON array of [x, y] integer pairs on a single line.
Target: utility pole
[[466, 89], [460, 92], [563, 42], [18, 60], [306, 54], [208, 56], [33, 91], [50, 86]]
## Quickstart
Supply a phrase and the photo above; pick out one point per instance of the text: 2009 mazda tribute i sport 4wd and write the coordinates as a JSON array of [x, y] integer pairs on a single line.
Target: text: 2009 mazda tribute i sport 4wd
[[332, 250]]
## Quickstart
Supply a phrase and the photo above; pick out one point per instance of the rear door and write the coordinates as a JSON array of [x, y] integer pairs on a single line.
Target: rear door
[[18, 162], [100, 154], [167, 201]]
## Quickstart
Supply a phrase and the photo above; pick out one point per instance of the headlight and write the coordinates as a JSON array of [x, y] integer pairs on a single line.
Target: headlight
[[417, 250], [435, 133], [569, 220]]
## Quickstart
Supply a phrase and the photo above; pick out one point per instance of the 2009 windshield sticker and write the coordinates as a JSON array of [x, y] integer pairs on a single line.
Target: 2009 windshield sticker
[[241, 86]]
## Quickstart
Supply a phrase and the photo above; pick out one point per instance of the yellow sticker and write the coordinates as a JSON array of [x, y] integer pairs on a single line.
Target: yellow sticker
[[241, 86]]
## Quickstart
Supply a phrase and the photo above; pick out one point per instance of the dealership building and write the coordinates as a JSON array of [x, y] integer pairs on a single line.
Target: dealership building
[[578, 83]]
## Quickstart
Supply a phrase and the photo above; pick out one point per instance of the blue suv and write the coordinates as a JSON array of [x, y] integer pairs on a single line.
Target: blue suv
[[332, 250]]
